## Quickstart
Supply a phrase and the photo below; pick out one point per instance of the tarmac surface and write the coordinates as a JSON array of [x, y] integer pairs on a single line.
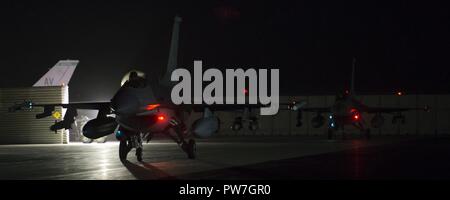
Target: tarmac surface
[[236, 158]]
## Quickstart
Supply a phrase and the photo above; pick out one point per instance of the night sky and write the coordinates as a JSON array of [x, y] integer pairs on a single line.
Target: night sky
[[399, 45]]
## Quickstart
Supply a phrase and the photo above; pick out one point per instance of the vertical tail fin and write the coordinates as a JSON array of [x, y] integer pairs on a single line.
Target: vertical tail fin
[[59, 74], [352, 86], [173, 53]]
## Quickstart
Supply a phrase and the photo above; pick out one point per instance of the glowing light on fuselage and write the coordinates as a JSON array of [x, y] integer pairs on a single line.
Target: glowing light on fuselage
[[161, 118], [355, 114], [119, 134], [151, 106]]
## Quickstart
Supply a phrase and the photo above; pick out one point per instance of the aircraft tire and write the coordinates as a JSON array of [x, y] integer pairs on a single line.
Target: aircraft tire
[[139, 154], [191, 149], [101, 140], [123, 150], [86, 140]]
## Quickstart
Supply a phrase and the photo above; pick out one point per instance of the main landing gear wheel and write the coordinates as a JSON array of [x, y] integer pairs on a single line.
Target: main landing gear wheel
[[101, 140], [139, 154], [86, 140], [124, 148], [190, 148]]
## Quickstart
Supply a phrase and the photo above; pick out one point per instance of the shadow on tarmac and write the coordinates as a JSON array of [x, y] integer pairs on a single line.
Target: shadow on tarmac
[[146, 172]]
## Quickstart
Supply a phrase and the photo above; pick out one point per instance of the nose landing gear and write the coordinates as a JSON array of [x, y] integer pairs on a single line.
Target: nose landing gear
[[190, 146], [128, 142], [124, 148], [139, 154]]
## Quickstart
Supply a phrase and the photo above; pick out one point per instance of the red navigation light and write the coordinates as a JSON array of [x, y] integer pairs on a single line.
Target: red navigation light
[[347, 92], [355, 114], [245, 91], [161, 118], [151, 106]]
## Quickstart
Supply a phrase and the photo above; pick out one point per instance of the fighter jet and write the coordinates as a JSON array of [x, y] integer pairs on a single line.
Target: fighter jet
[[141, 109], [346, 110]]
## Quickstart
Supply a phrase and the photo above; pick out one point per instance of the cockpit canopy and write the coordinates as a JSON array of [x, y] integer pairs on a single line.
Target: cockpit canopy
[[134, 78]]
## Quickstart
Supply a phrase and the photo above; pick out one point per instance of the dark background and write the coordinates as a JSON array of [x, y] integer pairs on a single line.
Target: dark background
[[399, 45]]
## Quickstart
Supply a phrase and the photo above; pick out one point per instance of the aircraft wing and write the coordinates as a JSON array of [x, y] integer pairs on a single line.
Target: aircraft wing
[[392, 109], [103, 107], [368, 110], [85, 105], [221, 107], [49, 108], [234, 107], [28, 105], [317, 109]]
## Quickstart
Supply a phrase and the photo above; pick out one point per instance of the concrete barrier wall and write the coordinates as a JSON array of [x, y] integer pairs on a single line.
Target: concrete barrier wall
[[23, 127]]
